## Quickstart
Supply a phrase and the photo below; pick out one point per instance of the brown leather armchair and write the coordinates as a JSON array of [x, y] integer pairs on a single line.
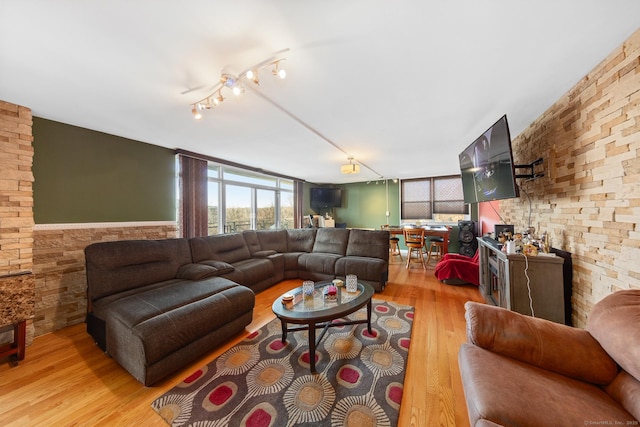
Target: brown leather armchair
[[520, 371]]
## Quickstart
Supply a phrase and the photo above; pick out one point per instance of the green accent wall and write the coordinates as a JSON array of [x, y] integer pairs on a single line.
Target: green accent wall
[[363, 205], [83, 176]]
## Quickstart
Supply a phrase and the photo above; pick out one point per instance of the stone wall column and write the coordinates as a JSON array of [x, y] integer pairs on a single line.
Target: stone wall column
[[17, 284]]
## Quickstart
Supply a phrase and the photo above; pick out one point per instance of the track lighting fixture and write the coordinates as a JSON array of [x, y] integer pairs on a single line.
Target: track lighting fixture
[[236, 83]]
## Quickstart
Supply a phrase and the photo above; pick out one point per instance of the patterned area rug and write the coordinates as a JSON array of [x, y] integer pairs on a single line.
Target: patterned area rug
[[262, 382]]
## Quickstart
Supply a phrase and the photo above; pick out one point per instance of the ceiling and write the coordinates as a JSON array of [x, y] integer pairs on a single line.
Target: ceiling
[[403, 86]]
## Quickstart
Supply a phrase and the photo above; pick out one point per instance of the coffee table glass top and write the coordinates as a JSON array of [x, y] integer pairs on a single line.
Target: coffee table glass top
[[319, 302]]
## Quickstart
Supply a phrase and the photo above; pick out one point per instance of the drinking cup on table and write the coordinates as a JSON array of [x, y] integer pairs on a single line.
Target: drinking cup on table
[[352, 283], [308, 288]]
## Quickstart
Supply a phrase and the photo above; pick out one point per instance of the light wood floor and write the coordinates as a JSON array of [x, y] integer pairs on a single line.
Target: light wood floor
[[65, 380]]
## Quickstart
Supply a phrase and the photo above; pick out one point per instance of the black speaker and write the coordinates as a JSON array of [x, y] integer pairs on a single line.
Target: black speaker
[[467, 238]]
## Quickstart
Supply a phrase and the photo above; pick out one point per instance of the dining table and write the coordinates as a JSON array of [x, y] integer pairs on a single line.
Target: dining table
[[429, 230]]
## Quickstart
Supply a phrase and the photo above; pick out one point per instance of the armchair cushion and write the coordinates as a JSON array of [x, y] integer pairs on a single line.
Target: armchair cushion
[[509, 392], [619, 312], [559, 348]]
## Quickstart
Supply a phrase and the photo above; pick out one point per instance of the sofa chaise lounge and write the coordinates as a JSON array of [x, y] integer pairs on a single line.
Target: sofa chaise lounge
[[156, 305]]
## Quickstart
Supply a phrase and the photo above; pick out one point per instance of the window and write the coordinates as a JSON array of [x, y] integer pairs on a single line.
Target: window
[[435, 198], [244, 200]]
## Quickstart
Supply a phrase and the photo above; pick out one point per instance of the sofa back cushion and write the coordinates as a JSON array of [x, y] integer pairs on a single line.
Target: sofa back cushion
[[119, 266], [275, 240], [369, 243], [331, 241], [220, 247], [301, 239], [614, 323], [251, 239]]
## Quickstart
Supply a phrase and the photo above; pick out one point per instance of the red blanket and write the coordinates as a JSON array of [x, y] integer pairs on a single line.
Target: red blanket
[[455, 266]]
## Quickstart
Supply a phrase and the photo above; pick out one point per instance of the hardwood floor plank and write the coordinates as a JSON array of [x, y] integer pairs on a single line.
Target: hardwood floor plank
[[66, 380]]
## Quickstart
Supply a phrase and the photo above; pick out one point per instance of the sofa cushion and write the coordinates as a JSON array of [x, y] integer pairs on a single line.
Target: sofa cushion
[[300, 239], [509, 392], [369, 243], [101, 306], [220, 267], [197, 272], [331, 241], [154, 333], [251, 239], [264, 254], [169, 318], [619, 312], [118, 266], [229, 248], [275, 240], [253, 271], [321, 263], [368, 269]]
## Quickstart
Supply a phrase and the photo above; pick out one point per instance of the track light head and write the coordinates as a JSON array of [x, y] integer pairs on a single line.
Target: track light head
[[277, 71]]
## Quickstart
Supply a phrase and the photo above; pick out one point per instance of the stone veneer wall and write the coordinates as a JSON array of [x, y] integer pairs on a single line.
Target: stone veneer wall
[[16, 217], [589, 198], [59, 266]]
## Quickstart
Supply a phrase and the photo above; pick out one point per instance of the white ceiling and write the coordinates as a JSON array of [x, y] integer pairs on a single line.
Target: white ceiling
[[402, 85]]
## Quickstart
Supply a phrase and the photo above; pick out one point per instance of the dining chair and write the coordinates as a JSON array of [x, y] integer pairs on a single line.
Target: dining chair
[[414, 239], [436, 247], [394, 248]]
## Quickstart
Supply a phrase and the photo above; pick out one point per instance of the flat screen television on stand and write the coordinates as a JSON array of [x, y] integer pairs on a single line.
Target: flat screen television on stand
[[325, 198], [487, 168]]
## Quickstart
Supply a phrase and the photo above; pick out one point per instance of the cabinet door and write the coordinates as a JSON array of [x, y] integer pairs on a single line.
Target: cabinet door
[[537, 282]]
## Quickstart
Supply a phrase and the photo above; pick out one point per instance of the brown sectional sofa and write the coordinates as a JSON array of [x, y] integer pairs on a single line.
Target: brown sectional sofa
[[156, 305], [521, 371]]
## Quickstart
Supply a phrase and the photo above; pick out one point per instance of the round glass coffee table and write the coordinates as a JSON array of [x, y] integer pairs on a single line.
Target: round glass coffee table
[[320, 312]]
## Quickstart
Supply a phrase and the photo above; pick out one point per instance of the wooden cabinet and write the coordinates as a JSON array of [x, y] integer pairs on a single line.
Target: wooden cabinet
[[521, 283]]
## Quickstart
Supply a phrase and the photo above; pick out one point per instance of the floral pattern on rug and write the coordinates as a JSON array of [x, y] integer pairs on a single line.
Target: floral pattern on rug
[[262, 382]]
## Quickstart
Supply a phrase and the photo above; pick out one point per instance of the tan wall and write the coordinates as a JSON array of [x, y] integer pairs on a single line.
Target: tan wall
[[59, 266], [589, 199]]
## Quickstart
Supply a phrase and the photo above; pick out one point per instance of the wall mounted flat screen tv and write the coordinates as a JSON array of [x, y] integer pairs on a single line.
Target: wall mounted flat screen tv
[[323, 197], [487, 166]]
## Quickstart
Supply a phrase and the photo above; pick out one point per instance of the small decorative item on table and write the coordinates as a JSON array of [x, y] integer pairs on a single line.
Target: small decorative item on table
[[331, 293], [307, 289], [287, 300], [338, 282], [352, 283]]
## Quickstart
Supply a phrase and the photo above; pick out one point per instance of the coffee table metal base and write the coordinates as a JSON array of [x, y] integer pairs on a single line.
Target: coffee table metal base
[[312, 325]]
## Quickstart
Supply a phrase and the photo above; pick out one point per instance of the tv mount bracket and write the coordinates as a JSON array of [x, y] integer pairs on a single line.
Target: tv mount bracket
[[531, 169]]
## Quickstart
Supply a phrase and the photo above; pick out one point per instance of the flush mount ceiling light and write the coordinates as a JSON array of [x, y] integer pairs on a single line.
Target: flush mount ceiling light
[[350, 168], [235, 83]]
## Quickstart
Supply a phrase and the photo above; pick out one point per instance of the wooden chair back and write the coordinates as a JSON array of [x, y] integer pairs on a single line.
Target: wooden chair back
[[414, 237]]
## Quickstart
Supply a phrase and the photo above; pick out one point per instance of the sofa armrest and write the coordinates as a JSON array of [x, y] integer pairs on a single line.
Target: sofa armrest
[[202, 271], [552, 346], [264, 254]]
